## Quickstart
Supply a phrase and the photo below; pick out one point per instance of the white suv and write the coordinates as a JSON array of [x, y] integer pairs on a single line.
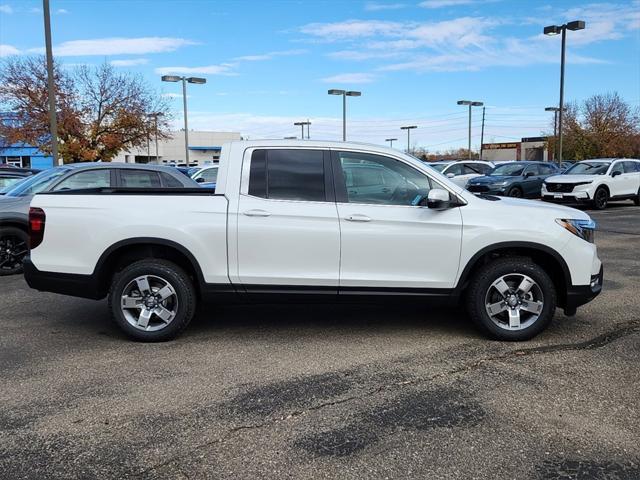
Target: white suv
[[460, 172], [595, 182]]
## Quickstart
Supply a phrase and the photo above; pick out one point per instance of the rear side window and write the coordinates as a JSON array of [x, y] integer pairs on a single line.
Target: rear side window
[[170, 181], [139, 178], [288, 175], [631, 167], [89, 179]]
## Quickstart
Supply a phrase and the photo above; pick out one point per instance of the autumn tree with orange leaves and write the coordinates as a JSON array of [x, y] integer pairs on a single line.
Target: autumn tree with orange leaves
[[100, 111]]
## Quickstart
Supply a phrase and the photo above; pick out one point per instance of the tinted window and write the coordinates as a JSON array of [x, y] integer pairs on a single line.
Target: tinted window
[[532, 169], [290, 175], [631, 167], [389, 181], [139, 178], [170, 181], [456, 169], [89, 179], [546, 169], [617, 167], [6, 181]]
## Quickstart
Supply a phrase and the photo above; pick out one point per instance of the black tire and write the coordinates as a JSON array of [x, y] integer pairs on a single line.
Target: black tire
[[185, 295], [636, 200], [480, 287], [515, 192], [14, 246], [600, 198]]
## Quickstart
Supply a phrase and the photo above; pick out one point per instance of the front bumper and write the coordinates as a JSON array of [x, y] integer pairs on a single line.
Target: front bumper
[[578, 295], [574, 198]]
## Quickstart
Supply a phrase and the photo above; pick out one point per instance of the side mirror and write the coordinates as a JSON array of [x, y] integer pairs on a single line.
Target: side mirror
[[528, 174], [616, 173], [450, 175], [438, 199], [200, 179]]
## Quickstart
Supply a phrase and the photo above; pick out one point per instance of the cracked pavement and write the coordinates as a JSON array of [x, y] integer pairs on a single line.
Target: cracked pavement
[[326, 391]]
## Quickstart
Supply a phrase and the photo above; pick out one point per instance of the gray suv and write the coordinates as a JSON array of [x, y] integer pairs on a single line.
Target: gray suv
[[14, 204]]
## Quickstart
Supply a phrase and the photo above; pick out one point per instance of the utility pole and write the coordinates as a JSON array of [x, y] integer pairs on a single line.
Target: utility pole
[[482, 134], [51, 87], [408, 129]]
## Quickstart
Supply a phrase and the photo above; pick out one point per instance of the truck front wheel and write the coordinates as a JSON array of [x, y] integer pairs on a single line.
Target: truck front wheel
[[152, 300], [511, 299]]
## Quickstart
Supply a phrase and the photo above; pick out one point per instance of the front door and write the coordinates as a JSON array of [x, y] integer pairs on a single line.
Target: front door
[[387, 240], [288, 231]]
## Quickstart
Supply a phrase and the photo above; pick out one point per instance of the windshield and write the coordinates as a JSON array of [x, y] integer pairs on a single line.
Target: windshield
[[588, 168], [36, 184], [8, 182], [508, 170], [439, 166]]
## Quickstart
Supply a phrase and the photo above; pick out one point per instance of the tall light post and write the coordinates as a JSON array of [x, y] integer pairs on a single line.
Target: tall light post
[[196, 80], [345, 94], [391, 140], [555, 30], [408, 128], [51, 88], [470, 104], [155, 125], [301, 125], [555, 111]]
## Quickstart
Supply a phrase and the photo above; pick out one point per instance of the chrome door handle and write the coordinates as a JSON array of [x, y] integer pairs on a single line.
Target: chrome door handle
[[257, 213], [357, 217]]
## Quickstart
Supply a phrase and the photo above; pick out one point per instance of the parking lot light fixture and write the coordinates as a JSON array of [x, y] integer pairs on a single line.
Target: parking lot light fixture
[[391, 140], [552, 30], [345, 94], [470, 104], [408, 128], [301, 125], [197, 81]]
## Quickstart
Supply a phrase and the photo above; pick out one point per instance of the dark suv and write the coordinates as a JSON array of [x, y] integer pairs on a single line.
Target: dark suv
[[514, 179]]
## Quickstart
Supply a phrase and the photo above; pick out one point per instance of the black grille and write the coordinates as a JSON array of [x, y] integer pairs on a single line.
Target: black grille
[[560, 187], [478, 188]]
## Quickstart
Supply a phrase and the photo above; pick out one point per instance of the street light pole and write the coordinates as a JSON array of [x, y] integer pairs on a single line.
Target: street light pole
[[197, 80], [482, 135], [51, 88], [391, 140], [408, 129], [301, 125], [555, 30], [155, 119], [345, 94], [470, 104]]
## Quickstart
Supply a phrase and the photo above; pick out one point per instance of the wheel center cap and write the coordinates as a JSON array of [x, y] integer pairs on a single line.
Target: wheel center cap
[[150, 302], [512, 301]]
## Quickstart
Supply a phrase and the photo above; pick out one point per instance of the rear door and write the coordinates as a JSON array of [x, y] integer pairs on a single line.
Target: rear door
[[388, 241], [532, 184], [288, 232], [631, 177]]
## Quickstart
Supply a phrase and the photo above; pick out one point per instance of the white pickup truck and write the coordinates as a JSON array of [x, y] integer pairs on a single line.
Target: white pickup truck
[[305, 218]]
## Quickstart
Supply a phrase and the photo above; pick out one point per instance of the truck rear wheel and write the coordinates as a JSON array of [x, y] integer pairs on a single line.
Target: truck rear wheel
[[152, 300], [511, 299]]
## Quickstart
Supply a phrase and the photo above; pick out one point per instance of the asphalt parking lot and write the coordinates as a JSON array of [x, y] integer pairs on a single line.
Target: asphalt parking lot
[[326, 391]]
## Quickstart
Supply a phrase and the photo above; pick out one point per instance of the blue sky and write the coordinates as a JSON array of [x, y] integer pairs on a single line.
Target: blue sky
[[270, 63]]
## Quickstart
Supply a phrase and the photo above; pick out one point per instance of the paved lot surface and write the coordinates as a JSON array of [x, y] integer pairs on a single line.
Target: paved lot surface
[[325, 391]]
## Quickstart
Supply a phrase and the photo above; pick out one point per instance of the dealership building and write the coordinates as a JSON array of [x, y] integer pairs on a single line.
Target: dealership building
[[528, 148]]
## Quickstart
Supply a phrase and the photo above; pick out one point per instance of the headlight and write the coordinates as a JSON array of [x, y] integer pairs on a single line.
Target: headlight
[[584, 229], [500, 184]]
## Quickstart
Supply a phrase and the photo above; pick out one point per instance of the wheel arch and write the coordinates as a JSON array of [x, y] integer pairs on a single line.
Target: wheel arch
[[122, 253], [16, 223], [546, 257]]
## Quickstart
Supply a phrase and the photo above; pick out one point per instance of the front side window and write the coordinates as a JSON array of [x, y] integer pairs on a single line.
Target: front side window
[[456, 169], [288, 174], [375, 179], [546, 169], [617, 167], [139, 178], [83, 180], [532, 170], [210, 175], [474, 168]]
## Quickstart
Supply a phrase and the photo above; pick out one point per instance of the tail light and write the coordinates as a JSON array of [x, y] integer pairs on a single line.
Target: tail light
[[37, 219]]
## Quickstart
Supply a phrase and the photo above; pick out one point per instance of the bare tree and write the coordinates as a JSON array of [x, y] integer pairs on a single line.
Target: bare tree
[[100, 111]]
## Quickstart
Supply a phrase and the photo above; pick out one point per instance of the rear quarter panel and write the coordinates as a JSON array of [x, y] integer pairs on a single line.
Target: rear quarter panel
[[80, 228]]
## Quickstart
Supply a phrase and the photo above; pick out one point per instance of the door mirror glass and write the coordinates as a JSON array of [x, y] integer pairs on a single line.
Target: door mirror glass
[[450, 175], [200, 179], [438, 199], [528, 174], [616, 173]]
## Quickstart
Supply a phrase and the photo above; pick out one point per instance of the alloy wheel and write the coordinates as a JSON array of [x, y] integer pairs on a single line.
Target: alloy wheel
[[514, 301], [149, 303], [12, 251]]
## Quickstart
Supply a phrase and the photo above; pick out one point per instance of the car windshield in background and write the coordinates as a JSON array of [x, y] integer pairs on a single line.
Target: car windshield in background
[[588, 168], [35, 184], [439, 166], [7, 183], [509, 170]]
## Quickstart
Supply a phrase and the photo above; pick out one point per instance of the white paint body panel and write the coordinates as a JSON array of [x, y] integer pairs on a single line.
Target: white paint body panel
[[306, 243]]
